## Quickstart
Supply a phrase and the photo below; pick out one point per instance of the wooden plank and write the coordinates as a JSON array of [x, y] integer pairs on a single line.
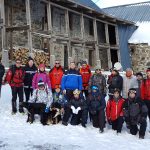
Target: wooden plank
[[17, 28]]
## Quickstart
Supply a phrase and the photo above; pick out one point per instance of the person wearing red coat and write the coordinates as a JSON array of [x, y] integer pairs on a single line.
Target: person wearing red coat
[[15, 78], [86, 75], [145, 91], [114, 111], [55, 75]]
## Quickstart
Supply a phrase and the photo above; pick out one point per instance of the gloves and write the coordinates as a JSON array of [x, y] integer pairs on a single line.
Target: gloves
[[109, 122], [73, 109], [78, 109], [46, 109]]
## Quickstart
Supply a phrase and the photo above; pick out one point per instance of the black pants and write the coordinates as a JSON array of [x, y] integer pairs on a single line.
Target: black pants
[[117, 124], [28, 93], [0, 87], [76, 119], [37, 108], [134, 128], [17, 91], [147, 102], [99, 119]]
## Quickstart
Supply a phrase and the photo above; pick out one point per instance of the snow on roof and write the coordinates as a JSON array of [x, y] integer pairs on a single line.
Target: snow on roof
[[142, 34]]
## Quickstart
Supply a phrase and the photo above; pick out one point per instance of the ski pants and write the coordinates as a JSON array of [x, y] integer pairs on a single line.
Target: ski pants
[[28, 92], [17, 91]]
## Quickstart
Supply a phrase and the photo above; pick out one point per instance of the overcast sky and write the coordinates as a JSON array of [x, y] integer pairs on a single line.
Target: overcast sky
[[109, 3]]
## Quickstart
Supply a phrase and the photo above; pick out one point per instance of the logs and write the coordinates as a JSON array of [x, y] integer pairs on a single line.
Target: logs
[[39, 56]]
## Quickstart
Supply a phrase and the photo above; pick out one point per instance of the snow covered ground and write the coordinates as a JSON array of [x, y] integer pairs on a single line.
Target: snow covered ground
[[16, 134]]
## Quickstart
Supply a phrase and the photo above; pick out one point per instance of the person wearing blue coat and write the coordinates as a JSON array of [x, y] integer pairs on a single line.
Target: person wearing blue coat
[[71, 80]]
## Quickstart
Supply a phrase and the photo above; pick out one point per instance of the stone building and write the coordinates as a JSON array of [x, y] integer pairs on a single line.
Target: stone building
[[66, 29], [139, 39]]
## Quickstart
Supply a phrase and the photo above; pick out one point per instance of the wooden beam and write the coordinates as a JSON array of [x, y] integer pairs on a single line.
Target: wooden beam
[[28, 16], [18, 28], [49, 16]]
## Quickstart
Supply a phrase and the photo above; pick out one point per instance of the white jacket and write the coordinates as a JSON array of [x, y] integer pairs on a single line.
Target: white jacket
[[127, 84], [42, 96]]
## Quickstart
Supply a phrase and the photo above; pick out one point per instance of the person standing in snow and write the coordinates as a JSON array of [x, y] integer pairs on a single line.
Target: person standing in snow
[[139, 79], [41, 75], [40, 103], [114, 81], [2, 72], [71, 80], [86, 74], [77, 107], [135, 113], [114, 111], [56, 74], [30, 70], [15, 78], [145, 91], [99, 80], [129, 81], [96, 104]]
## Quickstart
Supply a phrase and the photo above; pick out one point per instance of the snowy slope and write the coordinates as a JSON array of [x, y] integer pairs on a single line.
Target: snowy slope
[[16, 134]]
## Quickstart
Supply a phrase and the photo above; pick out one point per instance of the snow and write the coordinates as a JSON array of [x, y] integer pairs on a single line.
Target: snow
[[141, 35], [16, 134]]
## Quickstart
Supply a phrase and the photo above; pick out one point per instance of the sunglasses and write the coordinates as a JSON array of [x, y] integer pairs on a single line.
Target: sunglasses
[[132, 91], [18, 62], [57, 63], [98, 69]]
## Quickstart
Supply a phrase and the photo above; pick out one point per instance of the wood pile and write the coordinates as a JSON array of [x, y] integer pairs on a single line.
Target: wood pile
[[39, 56]]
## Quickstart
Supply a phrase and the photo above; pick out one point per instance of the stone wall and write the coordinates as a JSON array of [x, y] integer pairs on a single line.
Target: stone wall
[[140, 55]]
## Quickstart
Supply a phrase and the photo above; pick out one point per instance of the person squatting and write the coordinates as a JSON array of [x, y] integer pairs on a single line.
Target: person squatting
[[77, 96]]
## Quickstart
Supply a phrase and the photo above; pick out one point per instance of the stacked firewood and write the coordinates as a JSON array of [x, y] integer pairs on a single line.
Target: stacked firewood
[[39, 56], [21, 53]]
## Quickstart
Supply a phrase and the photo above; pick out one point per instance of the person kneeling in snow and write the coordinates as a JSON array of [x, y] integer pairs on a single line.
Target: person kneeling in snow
[[40, 103], [135, 113], [78, 108], [97, 104], [57, 107], [114, 111]]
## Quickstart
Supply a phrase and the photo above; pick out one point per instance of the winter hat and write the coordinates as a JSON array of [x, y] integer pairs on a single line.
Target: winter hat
[[57, 86], [41, 83], [76, 91], [115, 69], [148, 70], [84, 62], [132, 90], [30, 58], [42, 65], [94, 87], [139, 74], [98, 67]]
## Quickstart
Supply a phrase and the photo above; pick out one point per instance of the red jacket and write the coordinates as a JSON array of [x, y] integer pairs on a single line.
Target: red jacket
[[114, 109], [55, 76], [86, 74], [15, 79], [145, 89]]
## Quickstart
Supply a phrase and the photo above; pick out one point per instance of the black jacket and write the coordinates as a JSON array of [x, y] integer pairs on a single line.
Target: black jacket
[[115, 82], [2, 71], [29, 73], [78, 103], [134, 110]]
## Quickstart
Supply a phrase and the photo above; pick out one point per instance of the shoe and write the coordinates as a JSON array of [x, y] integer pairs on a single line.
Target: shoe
[[64, 123], [13, 113], [101, 130], [141, 137], [83, 125], [21, 111]]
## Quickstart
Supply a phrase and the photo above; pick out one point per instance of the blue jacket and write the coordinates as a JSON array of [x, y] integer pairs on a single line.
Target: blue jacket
[[71, 80]]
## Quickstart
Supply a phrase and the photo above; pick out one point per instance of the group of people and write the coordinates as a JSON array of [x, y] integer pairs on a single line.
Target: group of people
[[76, 95]]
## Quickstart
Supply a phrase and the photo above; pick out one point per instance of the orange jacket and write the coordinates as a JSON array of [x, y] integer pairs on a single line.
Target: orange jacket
[[114, 109], [86, 74], [55, 76]]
